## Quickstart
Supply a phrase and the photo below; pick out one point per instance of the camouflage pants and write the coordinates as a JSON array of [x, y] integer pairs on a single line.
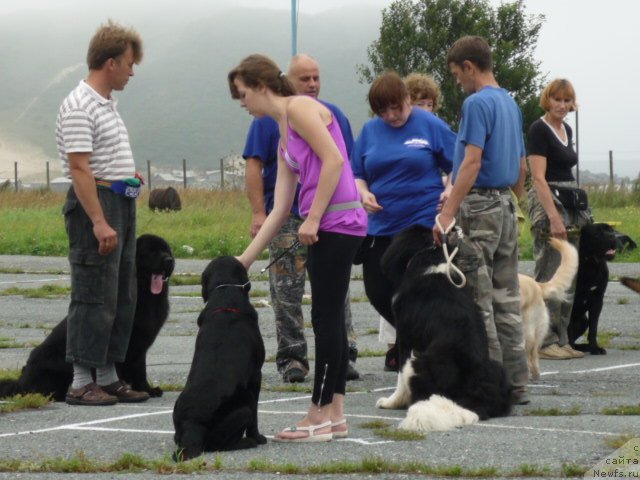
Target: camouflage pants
[[547, 259], [489, 220], [286, 284]]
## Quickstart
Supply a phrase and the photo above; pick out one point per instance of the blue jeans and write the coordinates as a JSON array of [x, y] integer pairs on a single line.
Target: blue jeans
[[103, 287]]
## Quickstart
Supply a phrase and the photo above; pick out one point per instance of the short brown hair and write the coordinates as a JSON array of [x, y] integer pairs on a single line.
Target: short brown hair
[[257, 70], [422, 86], [387, 90], [560, 87], [474, 49], [111, 41]]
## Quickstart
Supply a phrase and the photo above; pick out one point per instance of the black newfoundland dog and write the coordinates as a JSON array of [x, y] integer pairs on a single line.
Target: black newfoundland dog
[[48, 373], [218, 408], [597, 246], [447, 378]]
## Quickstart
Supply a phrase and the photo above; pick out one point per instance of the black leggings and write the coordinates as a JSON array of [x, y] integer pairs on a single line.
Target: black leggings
[[329, 265], [377, 286]]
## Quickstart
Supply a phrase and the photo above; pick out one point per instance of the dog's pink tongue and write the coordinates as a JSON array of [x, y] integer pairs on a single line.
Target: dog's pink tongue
[[156, 283], [611, 252]]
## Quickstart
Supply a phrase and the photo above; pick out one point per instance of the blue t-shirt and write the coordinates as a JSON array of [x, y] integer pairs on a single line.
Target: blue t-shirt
[[492, 121], [402, 167], [262, 142]]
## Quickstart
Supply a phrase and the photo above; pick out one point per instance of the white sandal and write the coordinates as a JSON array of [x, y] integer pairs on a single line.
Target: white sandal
[[340, 434], [311, 437]]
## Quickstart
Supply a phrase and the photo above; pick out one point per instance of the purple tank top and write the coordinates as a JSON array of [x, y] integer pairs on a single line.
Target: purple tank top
[[302, 160]]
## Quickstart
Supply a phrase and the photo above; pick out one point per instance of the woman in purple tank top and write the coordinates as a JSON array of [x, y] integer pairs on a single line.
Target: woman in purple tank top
[[312, 152]]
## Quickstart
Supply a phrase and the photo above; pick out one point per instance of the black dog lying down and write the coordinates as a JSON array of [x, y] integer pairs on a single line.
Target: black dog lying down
[[219, 403], [46, 370], [447, 378], [597, 246]]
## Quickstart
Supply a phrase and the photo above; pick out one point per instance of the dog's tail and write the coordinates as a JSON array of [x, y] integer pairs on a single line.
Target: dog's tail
[[632, 283], [557, 287], [9, 388]]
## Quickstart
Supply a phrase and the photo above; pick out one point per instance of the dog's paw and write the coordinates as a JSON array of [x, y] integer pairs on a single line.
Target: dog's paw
[[597, 351], [261, 439], [385, 402], [155, 392]]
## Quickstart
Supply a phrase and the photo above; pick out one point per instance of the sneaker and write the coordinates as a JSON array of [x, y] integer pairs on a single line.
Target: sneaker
[[90, 394], [124, 393], [293, 375], [574, 353], [554, 352], [352, 373]]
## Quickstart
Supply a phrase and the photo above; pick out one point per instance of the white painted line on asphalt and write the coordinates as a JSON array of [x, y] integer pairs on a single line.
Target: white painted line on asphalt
[[126, 430], [83, 424], [591, 370]]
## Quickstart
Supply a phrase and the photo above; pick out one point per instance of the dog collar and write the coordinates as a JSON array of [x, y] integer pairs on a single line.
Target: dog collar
[[245, 286], [222, 309]]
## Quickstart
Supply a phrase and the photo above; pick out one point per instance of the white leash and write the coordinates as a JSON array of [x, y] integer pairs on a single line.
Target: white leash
[[449, 258]]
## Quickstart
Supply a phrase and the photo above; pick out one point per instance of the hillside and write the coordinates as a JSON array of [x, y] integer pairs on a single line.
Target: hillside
[[177, 105]]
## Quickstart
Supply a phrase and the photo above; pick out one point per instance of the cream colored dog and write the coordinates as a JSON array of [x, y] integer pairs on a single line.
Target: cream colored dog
[[535, 317]]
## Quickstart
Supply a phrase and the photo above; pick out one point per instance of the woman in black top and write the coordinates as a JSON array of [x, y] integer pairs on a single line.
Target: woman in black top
[[551, 158]]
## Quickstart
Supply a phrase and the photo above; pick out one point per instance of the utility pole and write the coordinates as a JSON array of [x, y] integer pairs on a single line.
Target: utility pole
[[294, 27]]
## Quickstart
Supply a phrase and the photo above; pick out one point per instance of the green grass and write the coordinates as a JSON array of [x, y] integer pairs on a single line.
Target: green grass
[[6, 342], [45, 291], [216, 222], [23, 402], [369, 466], [553, 412], [622, 410]]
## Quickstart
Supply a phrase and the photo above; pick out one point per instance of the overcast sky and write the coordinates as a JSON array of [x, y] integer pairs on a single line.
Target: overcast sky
[[588, 42]]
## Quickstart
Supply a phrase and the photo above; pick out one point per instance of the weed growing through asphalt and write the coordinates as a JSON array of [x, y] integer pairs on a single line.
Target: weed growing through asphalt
[[622, 410], [385, 430], [553, 412], [573, 470], [604, 338], [45, 291], [6, 342], [24, 402], [623, 300], [367, 352], [619, 441], [184, 279]]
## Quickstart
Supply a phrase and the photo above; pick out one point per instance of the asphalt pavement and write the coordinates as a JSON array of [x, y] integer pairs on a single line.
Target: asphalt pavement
[[577, 391]]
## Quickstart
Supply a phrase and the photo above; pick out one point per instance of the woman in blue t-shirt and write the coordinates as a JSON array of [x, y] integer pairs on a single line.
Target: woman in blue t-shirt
[[397, 161]]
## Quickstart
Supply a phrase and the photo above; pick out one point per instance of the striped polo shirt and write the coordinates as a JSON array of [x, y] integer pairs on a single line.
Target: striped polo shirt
[[89, 123]]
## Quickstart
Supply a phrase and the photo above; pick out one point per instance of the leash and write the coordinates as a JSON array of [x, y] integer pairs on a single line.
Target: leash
[[293, 246], [449, 258]]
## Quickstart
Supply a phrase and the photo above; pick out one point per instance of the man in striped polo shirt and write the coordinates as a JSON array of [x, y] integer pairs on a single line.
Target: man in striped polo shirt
[[100, 219]]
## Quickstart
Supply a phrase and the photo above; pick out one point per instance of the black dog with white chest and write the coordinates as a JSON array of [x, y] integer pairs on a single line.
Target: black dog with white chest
[[442, 342], [218, 408], [46, 370], [597, 246]]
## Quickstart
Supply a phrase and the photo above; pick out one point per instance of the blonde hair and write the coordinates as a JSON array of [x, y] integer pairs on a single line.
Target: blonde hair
[[111, 41], [560, 87], [422, 86]]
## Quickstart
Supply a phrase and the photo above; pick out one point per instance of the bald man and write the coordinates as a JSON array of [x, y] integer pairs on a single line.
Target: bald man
[[287, 275]]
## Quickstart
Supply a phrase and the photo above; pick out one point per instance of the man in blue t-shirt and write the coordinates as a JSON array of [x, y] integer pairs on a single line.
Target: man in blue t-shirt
[[489, 160], [287, 275]]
